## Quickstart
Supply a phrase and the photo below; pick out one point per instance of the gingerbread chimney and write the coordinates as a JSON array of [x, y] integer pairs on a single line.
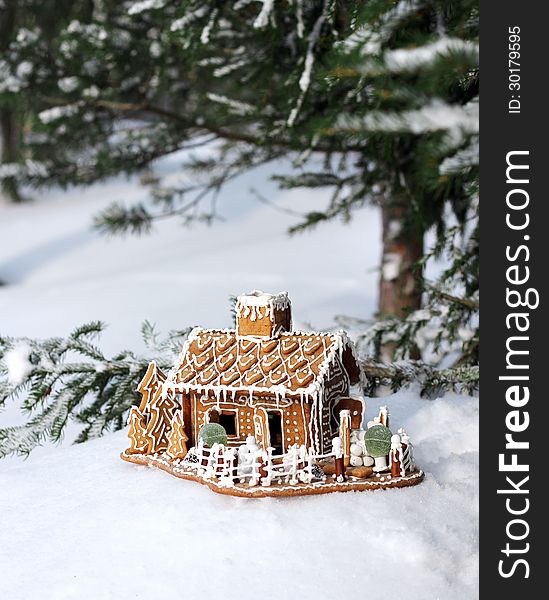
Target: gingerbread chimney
[[264, 315]]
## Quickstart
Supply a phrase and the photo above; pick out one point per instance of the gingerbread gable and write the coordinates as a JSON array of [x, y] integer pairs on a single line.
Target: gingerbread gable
[[289, 364]]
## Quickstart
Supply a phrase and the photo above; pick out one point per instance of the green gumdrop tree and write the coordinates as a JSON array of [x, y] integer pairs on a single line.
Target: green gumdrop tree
[[378, 441], [213, 433]]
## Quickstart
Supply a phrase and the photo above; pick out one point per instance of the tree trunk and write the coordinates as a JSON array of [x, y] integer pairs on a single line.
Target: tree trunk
[[9, 145], [399, 284], [10, 129]]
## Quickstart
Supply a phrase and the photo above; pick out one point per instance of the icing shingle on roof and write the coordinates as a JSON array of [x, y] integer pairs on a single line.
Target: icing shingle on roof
[[292, 363]]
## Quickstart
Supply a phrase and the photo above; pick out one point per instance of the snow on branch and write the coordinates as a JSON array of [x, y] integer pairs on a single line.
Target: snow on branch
[[205, 35], [415, 58], [187, 19], [436, 115], [28, 168], [139, 7], [59, 112], [463, 159], [239, 108], [409, 59], [305, 79], [369, 40], [57, 380], [431, 380], [262, 18]]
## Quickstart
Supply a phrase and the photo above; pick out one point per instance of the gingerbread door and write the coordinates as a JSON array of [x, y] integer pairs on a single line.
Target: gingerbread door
[[261, 428], [274, 422]]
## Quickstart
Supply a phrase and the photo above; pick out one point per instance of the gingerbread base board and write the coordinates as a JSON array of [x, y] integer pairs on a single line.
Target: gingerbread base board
[[352, 484]]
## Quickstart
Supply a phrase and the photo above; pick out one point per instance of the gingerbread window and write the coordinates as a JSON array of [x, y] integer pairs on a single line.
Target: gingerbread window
[[228, 420]]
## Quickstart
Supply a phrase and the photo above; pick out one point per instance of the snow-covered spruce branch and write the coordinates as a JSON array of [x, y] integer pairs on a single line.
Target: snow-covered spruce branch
[[431, 380], [60, 380], [445, 329]]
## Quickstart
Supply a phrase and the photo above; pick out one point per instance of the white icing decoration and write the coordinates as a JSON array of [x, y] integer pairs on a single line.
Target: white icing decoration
[[258, 305]]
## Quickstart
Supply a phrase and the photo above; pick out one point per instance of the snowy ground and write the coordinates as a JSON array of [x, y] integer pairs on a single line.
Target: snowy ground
[[77, 522], [81, 523]]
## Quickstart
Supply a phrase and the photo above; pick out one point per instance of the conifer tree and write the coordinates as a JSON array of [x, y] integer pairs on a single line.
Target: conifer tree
[[384, 92], [383, 95], [9, 120]]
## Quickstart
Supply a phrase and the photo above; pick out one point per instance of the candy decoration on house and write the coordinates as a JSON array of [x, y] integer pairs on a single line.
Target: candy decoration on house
[[396, 456], [213, 433], [374, 421], [337, 451], [263, 410], [345, 435], [383, 416], [359, 454], [402, 454], [407, 451], [378, 445]]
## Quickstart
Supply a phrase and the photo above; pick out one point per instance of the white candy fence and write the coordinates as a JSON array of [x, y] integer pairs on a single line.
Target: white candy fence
[[262, 467], [256, 467]]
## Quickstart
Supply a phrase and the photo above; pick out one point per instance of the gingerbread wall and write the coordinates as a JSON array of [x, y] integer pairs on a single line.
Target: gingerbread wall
[[297, 425], [251, 416], [337, 386]]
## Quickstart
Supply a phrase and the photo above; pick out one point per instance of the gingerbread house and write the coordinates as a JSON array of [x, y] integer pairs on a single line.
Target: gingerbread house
[[260, 379]]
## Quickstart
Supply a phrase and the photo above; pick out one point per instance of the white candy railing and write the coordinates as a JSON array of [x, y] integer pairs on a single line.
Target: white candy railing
[[262, 467], [256, 467]]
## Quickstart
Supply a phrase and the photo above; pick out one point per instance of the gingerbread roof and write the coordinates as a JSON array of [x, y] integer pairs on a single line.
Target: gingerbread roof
[[294, 363]]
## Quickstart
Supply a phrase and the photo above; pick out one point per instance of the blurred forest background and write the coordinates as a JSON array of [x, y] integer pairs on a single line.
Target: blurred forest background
[[375, 101]]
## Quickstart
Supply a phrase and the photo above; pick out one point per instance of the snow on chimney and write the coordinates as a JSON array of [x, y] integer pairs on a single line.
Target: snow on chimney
[[261, 314]]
